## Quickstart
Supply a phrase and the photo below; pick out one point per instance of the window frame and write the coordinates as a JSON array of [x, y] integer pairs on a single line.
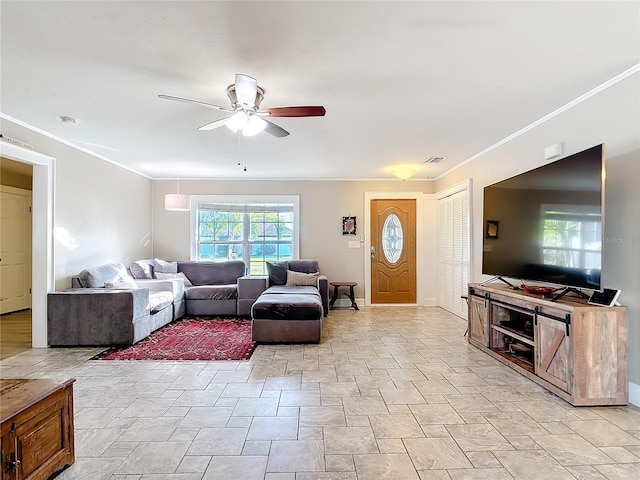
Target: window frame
[[197, 200]]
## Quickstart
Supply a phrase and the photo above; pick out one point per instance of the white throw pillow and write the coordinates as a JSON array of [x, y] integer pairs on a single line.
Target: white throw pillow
[[160, 266], [163, 276], [302, 279]]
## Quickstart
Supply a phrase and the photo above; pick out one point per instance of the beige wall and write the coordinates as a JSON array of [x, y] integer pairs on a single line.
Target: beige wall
[[102, 212], [15, 174], [322, 206], [611, 117]]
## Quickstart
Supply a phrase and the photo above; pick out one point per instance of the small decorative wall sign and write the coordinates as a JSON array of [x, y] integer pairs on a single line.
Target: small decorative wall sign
[[348, 225]]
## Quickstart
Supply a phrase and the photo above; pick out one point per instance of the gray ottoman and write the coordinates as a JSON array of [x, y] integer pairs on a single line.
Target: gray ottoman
[[287, 318]]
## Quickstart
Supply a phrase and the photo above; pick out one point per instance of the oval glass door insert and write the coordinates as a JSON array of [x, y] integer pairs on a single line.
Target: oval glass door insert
[[392, 238]]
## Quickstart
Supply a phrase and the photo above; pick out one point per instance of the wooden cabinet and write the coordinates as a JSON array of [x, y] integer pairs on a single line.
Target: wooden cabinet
[[37, 428], [576, 350]]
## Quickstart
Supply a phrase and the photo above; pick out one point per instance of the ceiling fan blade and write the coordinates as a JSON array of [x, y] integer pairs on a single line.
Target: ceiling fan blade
[[216, 124], [307, 111], [186, 100], [246, 89], [275, 130]]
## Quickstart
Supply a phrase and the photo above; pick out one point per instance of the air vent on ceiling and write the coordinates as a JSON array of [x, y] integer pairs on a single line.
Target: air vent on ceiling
[[434, 159]]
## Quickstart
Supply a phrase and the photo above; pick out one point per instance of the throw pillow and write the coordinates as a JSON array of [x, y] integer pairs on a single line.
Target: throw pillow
[[187, 282], [302, 279], [277, 273], [164, 267], [126, 282], [141, 269]]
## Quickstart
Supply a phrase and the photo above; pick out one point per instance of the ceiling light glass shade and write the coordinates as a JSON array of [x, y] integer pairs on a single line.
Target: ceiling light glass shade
[[403, 172], [237, 122], [254, 126], [177, 202]]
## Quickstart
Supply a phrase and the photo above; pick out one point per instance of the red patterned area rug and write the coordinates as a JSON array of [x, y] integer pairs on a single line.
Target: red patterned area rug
[[192, 338]]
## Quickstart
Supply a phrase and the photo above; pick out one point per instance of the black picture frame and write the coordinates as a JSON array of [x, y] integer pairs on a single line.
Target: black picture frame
[[348, 225], [492, 229]]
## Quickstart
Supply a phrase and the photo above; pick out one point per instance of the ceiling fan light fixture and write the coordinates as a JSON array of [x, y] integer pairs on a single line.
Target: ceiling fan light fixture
[[237, 122], [246, 97], [254, 126]]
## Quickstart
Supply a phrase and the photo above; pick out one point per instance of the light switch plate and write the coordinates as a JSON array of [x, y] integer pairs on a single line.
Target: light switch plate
[[354, 244]]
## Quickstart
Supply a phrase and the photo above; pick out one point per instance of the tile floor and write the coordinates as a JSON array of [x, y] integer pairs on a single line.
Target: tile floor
[[390, 393]]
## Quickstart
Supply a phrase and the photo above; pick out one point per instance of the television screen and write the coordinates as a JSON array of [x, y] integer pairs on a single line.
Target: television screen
[[546, 224]]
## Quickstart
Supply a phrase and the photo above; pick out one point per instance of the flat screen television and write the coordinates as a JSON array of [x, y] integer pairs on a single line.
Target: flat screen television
[[546, 224]]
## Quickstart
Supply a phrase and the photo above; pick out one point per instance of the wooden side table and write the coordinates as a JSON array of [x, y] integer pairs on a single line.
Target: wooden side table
[[351, 295]]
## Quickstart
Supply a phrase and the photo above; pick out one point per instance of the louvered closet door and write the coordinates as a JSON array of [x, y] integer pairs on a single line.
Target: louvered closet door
[[453, 252]]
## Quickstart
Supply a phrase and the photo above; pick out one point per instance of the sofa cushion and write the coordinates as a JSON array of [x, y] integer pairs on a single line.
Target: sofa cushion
[[292, 306], [161, 266], [211, 292], [164, 276], [159, 300], [297, 278], [298, 290], [141, 269], [213, 273], [97, 277], [303, 266], [277, 273], [123, 283]]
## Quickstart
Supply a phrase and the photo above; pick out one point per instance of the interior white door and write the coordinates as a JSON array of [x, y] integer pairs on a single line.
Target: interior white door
[[15, 249], [453, 252]]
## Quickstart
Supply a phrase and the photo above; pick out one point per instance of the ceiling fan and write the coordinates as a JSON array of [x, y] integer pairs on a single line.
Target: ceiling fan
[[246, 96]]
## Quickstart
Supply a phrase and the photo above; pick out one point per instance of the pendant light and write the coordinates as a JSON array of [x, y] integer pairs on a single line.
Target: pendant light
[[177, 202]]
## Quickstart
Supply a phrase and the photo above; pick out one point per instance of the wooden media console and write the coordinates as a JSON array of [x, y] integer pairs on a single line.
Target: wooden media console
[[576, 350]]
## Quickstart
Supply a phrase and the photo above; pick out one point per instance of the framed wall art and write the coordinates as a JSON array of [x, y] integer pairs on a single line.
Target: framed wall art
[[348, 225], [492, 229]]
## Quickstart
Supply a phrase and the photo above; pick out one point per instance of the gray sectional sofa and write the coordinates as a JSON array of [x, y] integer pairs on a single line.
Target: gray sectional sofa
[[110, 305]]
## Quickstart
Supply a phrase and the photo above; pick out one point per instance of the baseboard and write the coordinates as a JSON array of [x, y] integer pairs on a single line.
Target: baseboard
[[634, 394], [345, 302]]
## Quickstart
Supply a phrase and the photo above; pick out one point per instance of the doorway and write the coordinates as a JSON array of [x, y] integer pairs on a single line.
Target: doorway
[[394, 277], [42, 235]]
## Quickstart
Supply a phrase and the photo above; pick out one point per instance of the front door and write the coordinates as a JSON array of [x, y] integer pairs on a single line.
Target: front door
[[393, 251]]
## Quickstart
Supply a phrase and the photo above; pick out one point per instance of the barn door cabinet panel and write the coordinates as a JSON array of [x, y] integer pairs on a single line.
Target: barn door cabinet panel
[[553, 353], [479, 324], [37, 428], [576, 350]]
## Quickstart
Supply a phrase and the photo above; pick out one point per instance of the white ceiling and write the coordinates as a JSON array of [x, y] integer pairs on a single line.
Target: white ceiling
[[400, 81]]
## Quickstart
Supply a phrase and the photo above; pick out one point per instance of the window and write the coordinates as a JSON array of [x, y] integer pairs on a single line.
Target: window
[[254, 230], [572, 238], [392, 238]]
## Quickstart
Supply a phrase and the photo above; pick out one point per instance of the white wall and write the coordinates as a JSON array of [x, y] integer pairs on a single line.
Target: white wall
[[102, 212], [611, 117], [322, 206]]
